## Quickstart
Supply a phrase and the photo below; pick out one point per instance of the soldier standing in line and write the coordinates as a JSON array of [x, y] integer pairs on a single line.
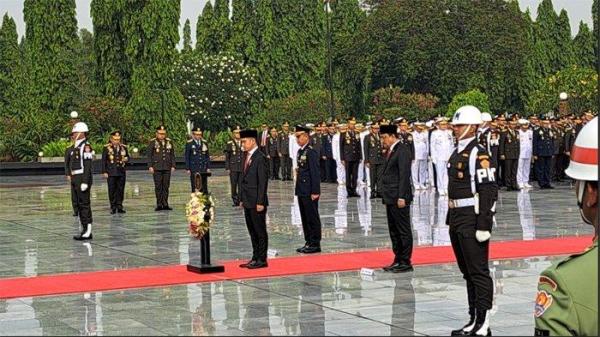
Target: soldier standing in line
[[114, 158], [74, 202], [273, 154], [509, 153], [161, 162], [442, 145], [197, 159], [351, 155], [500, 169], [419, 166], [284, 152], [374, 158], [543, 150], [525, 154], [233, 164], [327, 154]]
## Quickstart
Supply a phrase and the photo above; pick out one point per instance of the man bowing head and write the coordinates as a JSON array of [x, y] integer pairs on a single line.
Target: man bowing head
[[253, 197]]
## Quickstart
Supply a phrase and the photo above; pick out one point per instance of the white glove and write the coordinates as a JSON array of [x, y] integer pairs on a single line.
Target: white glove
[[483, 236], [84, 187]]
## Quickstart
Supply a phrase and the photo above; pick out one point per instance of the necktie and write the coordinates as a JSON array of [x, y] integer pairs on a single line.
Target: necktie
[[246, 162], [389, 153]]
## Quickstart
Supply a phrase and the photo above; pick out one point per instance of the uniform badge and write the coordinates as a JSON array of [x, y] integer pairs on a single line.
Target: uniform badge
[[459, 165], [543, 301], [485, 163], [460, 175], [168, 146], [204, 148], [548, 281]]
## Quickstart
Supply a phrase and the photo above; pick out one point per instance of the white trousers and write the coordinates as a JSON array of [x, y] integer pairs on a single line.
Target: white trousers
[[419, 172], [441, 170], [523, 171], [341, 172]]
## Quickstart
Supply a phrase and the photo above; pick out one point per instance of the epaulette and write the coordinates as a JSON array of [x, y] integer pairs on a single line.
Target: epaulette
[[107, 145], [124, 145], [191, 140], [169, 139], [230, 142], [152, 139]]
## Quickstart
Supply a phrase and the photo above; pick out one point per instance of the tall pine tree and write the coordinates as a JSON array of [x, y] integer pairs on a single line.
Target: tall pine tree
[[9, 59], [242, 39], [222, 25], [266, 60], [187, 37], [206, 37], [546, 32], [595, 15], [564, 42], [583, 47]]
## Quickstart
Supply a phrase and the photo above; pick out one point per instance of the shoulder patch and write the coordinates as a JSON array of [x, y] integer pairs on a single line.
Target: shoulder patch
[[543, 301], [548, 281]]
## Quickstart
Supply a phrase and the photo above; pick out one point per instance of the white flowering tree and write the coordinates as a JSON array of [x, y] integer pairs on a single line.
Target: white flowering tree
[[219, 90]]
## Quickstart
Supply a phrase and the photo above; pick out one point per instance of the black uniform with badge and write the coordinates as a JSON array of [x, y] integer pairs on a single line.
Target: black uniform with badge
[[308, 183], [406, 139], [472, 192], [285, 159], [197, 160], [328, 168], [161, 157], [78, 166], [509, 150], [115, 157], [233, 163], [560, 159], [273, 153], [351, 154], [375, 158], [543, 150]]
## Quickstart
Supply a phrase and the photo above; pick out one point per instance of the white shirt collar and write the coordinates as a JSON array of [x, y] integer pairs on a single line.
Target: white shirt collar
[[305, 145], [394, 145], [463, 143]]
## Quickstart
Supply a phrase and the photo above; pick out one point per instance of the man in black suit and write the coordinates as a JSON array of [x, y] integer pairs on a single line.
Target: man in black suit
[[255, 177], [396, 191], [308, 190]]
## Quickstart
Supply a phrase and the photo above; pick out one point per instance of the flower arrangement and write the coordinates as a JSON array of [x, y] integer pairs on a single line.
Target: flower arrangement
[[200, 213]]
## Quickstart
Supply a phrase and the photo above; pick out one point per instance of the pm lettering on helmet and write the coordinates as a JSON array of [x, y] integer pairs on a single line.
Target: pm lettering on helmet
[[486, 175]]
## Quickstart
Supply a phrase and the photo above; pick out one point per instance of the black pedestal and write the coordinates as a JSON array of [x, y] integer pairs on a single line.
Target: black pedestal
[[204, 267]]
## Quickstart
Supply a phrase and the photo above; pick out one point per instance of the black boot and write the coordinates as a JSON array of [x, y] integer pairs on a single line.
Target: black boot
[[482, 324], [465, 330]]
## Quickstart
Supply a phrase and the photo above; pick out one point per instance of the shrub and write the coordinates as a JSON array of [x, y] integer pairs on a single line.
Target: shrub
[[392, 103], [473, 97]]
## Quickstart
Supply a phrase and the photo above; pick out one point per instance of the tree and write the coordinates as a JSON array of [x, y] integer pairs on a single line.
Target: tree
[[595, 15], [564, 42], [265, 60], [85, 58], [547, 53], [392, 102], [583, 47], [473, 97], [221, 25], [206, 37], [9, 59], [297, 109], [187, 37], [242, 39]]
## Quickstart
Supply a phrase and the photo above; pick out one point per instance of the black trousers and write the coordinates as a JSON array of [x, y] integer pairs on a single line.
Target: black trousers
[[330, 170], [74, 202], [400, 232], [162, 181], [351, 176], [204, 182], [542, 170], [472, 258], [116, 191], [311, 221], [286, 167], [510, 172], [257, 228], [275, 164], [84, 208], [323, 169], [235, 178], [561, 162], [375, 171], [501, 173]]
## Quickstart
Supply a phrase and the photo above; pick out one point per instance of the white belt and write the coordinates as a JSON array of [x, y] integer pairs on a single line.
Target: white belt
[[458, 203]]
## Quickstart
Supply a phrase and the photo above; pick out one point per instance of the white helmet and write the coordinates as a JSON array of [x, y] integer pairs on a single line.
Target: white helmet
[[523, 121], [584, 154], [467, 114], [80, 127], [486, 117]]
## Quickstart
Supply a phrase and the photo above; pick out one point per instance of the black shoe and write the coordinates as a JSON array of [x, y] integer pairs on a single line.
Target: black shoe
[[353, 195], [373, 196], [482, 322], [120, 210], [257, 265], [311, 250], [301, 249], [158, 208], [113, 211], [391, 266], [81, 238], [75, 214], [167, 208], [245, 265], [468, 327], [402, 268], [550, 187]]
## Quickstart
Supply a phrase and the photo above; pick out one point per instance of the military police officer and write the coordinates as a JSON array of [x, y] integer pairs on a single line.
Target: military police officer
[[114, 158], [161, 162], [197, 158], [233, 164], [308, 190], [374, 158], [78, 169], [543, 150], [472, 193], [567, 298]]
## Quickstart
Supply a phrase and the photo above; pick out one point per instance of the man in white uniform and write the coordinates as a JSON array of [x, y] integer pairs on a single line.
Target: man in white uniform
[[442, 146], [293, 154], [335, 144], [525, 153], [420, 175], [363, 171]]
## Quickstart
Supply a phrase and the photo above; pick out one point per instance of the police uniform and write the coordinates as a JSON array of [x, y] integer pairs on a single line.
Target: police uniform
[[161, 157], [543, 150], [351, 153], [327, 161], [567, 299], [558, 160], [375, 158], [308, 183], [115, 157], [285, 159], [472, 193], [273, 153], [197, 159], [233, 163], [509, 152], [78, 166]]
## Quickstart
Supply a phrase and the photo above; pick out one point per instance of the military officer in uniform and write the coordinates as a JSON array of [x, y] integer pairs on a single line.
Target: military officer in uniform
[[406, 137], [421, 147], [543, 150], [197, 158], [78, 169], [284, 152], [567, 298], [114, 159], [509, 152], [161, 162], [233, 164], [308, 190], [327, 154], [472, 193], [73, 191], [374, 158], [273, 154], [351, 155], [559, 149]]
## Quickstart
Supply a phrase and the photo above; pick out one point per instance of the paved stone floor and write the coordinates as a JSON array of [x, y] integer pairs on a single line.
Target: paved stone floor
[[35, 239]]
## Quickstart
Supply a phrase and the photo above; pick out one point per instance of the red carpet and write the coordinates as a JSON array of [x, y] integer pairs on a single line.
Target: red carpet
[[172, 275]]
